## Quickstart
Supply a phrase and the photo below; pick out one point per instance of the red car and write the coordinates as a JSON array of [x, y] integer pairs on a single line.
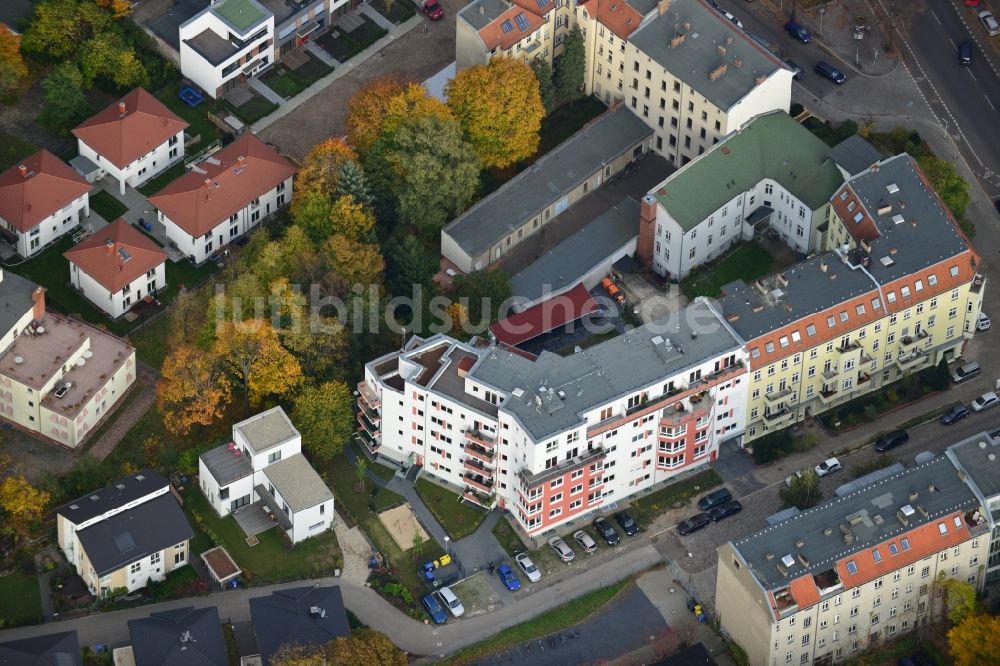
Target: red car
[[971, 3], [434, 11]]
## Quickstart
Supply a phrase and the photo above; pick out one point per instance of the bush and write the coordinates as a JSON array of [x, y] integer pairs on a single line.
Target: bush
[[772, 446]]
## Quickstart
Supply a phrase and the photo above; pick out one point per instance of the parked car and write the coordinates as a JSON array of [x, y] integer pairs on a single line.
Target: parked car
[[965, 53], [983, 323], [714, 498], [693, 524], [528, 567], [451, 602], [607, 531], [587, 543], [985, 401], [625, 521], [797, 72], [434, 609], [828, 466], [725, 510], [924, 457], [891, 440], [564, 552], [954, 414], [828, 71], [431, 8], [736, 21], [797, 474], [508, 578], [798, 32], [965, 372], [990, 23]]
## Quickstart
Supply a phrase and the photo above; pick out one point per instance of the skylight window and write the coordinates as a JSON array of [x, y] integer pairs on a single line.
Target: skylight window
[[522, 21], [507, 26], [843, 316], [877, 555], [783, 341], [796, 336], [954, 271], [831, 322], [811, 330], [860, 309], [852, 567], [755, 352], [943, 528], [769, 346], [958, 521], [859, 216], [893, 549], [891, 297], [932, 279], [905, 543], [876, 305]]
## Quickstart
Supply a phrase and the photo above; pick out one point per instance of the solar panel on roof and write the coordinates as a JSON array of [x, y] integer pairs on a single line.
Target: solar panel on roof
[[522, 21], [506, 26], [123, 253]]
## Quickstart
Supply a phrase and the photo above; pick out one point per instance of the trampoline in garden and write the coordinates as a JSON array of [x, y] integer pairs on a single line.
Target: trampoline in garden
[[191, 96]]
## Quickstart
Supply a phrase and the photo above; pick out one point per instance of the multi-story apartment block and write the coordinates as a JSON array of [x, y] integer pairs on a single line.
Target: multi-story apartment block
[[978, 457], [59, 377], [554, 438], [898, 291], [226, 43], [41, 198], [264, 464], [772, 174], [126, 534], [133, 140], [224, 197], [521, 29], [838, 578]]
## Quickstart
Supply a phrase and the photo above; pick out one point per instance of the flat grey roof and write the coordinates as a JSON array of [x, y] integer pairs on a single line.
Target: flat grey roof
[[226, 465], [110, 497], [854, 154], [547, 180], [606, 371], [567, 262], [211, 47], [696, 57], [979, 456], [83, 165], [297, 482], [15, 299], [267, 429], [881, 499]]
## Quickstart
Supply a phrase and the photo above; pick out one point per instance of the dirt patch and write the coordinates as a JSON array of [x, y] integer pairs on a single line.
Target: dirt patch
[[476, 594], [403, 525]]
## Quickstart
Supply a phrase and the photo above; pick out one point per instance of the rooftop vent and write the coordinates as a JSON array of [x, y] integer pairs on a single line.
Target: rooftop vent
[[316, 612], [827, 531], [884, 209], [907, 510], [892, 188], [914, 495], [800, 542], [803, 560], [769, 556], [518, 392], [788, 560], [898, 219], [886, 261]]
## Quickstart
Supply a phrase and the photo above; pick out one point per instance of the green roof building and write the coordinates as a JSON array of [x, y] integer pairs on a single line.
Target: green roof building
[[772, 174]]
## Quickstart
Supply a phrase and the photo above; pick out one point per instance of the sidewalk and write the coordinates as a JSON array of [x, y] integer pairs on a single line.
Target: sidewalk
[[287, 106]]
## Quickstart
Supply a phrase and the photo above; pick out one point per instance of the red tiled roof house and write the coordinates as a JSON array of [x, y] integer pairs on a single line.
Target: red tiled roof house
[[224, 197], [133, 140], [116, 267], [41, 198]]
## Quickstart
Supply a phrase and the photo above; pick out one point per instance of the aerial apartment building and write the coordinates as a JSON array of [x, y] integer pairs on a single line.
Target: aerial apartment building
[[520, 29], [553, 438], [864, 567], [897, 291]]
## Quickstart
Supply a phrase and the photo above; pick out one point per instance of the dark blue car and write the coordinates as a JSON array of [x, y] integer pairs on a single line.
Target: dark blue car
[[434, 609], [508, 578]]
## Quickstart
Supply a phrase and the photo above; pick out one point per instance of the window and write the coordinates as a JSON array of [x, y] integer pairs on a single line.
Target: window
[[877, 556], [905, 543], [852, 567]]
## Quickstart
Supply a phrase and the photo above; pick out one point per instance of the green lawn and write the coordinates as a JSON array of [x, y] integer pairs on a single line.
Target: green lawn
[[398, 12], [507, 537], [457, 518], [258, 107], [290, 82], [345, 45], [153, 186], [270, 561], [557, 619], [382, 471], [674, 495], [198, 122], [107, 206], [747, 262], [20, 602], [13, 149]]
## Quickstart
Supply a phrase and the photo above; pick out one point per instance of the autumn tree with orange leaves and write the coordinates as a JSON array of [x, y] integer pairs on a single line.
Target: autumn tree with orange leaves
[[320, 171], [22, 504], [975, 641], [366, 110], [119, 8], [500, 109], [192, 390], [12, 67], [254, 357]]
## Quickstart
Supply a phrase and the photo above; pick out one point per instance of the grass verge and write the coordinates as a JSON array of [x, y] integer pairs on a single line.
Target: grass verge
[[13, 149], [20, 602], [508, 538], [746, 262], [557, 619], [646, 509], [154, 185], [107, 206], [458, 520]]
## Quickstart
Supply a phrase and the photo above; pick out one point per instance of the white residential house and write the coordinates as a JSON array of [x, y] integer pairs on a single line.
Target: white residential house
[[117, 267], [224, 197], [263, 469], [125, 535], [133, 140], [226, 43], [41, 198]]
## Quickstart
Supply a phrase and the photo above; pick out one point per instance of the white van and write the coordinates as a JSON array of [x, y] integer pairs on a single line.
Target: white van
[[451, 602]]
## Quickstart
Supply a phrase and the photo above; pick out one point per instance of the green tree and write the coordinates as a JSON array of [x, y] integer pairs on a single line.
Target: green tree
[[975, 641], [65, 104], [949, 184], [352, 182], [407, 264], [803, 492], [436, 172], [12, 67], [570, 66], [960, 599], [59, 27], [485, 292], [361, 473], [107, 56], [546, 89], [324, 414]]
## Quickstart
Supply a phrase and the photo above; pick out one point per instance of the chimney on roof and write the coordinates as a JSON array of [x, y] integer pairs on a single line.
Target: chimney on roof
[[687, 26], [23, 170], [121, 107], [241, 161], [728, 40], [38, 304], [718, 72], [647, 230], [822, 265], [676, 41], [737, 62], [109, 245], [208, 183], [721, 50], [759, 80], [662, 6], [482, 8]]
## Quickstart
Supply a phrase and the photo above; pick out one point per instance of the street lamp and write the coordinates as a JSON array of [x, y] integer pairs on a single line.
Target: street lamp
[[447, 542]]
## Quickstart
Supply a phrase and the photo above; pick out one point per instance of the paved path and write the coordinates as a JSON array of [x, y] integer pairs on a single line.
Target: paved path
[[356, 549], [258, 85], [322, 54], [383, 22], [140, 208]]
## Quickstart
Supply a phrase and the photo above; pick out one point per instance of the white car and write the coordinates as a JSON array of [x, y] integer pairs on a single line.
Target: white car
[[564, 552], [828, 466], [528, 567], [791, 477], [451, 602], [985, 401], [582, 538], [990, 23], [983, 323], [739, 24]]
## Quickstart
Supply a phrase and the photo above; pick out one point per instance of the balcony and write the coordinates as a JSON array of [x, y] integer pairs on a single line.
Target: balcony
[[481, 484], [480, 438], [372, 415], [909, 361], [485, 500], [474, 451], [369, 442], [908, 341], [777, 396], [590, 456], [977, 284], [831, 373], [779, 418], [863, 377], [849, 347], [477, 467], [368, 395], [828, 394], [368, 426]]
